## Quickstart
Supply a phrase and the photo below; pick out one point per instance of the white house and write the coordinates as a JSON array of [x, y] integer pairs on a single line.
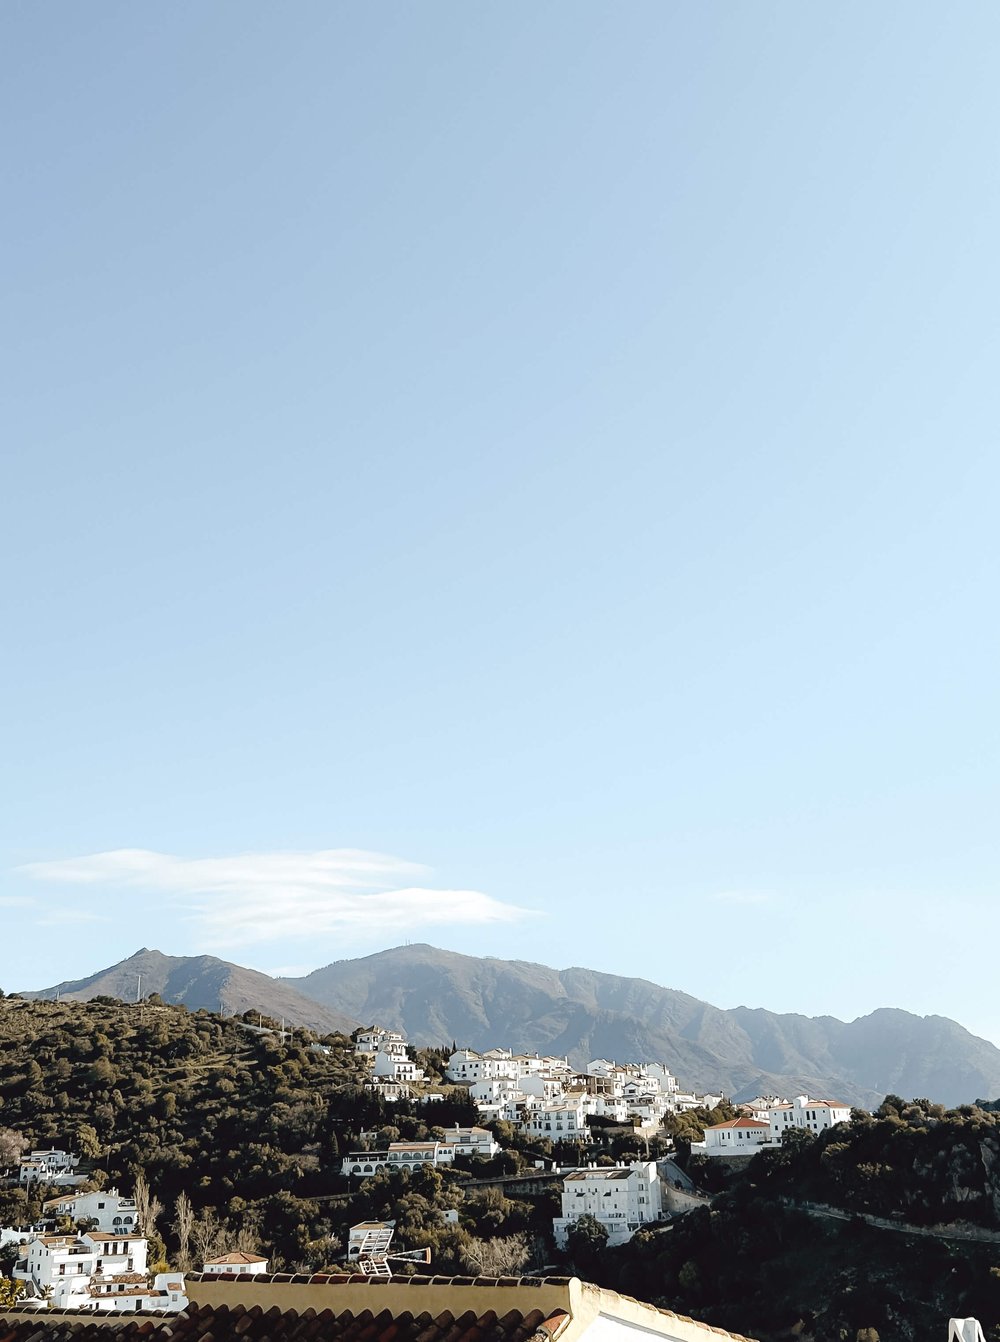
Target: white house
[[49, 1167], [108, 1209], [97, 1271], [466, 1065], [760, 1107], [810, 1115], [130, 1291], [473, 1141], [369, 1237], [392, 1066], [371, 1041], [735, 1137], [497, 1089], [235, 1264], [685, 1100], [621, 1197]]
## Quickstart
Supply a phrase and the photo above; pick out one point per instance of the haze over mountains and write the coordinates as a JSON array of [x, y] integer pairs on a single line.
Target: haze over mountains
[[438, 996]]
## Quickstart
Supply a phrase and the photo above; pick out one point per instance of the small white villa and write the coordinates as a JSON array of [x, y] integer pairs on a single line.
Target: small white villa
[[235, 1264]]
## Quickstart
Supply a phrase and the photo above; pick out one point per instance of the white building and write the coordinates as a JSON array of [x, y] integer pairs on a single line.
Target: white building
[[466, 1065], [810, 1115], [736, 1137], [49, 1167], [473, 1141], [108, 1210], [369, 1237], [685, 1100], [559, 1121], [398, 1156], [97, 1271], [235, 1264], [392, 1066], [371, 1041], [621, 1197]]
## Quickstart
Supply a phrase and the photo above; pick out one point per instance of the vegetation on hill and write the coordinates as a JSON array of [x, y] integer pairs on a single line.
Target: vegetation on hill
[[233, 1137]]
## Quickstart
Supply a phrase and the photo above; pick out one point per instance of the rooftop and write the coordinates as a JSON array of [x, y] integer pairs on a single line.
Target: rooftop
[[608, 1172], [354, 1308]]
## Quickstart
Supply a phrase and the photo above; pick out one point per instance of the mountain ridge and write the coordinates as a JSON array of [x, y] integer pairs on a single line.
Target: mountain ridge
[[200, 981], [437, 996]]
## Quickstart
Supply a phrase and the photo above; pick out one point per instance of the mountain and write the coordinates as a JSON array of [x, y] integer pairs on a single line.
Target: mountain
[[437, 996], [202, 981]]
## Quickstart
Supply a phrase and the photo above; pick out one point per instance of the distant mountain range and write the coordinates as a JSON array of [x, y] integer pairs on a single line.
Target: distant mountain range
[[437, 997]]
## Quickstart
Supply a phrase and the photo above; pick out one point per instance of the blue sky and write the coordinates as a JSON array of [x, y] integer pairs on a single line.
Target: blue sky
[[521, 477]]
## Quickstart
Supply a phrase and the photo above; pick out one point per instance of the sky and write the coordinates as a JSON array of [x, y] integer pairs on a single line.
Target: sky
[[521, 477]]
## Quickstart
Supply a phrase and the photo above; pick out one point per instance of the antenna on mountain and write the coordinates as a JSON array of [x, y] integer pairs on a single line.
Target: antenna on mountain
[[138, 987]]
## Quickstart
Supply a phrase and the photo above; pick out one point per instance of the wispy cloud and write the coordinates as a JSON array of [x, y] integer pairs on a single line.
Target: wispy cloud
[[265, 896]]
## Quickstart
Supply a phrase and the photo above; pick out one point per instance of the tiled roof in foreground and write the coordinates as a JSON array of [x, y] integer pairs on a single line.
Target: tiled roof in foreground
[[218, 1323], [346, 1307]]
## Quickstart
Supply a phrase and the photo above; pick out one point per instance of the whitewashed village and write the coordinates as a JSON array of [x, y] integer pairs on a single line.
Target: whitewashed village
[[545, 1097], [89, 1250]]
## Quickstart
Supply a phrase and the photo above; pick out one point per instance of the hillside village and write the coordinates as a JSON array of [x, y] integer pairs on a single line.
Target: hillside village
[[89, 1250], [297, 1153], [544, 1097]]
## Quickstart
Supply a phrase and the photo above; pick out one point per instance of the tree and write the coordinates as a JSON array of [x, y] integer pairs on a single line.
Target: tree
[[12, 1146], [586, 1240], [148, 1206], [10, 1292], [207, 1235], [183, 1221], [495, 1257], [86, 1142]]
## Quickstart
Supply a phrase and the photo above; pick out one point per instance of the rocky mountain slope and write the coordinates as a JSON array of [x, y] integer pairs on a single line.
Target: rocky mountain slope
[[201, 981]]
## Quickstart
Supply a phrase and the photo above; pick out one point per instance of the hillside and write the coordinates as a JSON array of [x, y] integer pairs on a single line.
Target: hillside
[[437, 995], [252, 1127], [201, 981]]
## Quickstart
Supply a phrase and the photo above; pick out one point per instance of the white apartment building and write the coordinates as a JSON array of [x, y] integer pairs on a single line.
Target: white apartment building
[[235, 1264], [736, 1137], [108, 1209], [810, 1115], [399, 1156], [559, 1121], [459, 1141], [621, 1197]]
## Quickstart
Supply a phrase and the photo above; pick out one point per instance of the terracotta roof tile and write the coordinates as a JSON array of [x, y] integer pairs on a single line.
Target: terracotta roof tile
[[220, 1323]]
